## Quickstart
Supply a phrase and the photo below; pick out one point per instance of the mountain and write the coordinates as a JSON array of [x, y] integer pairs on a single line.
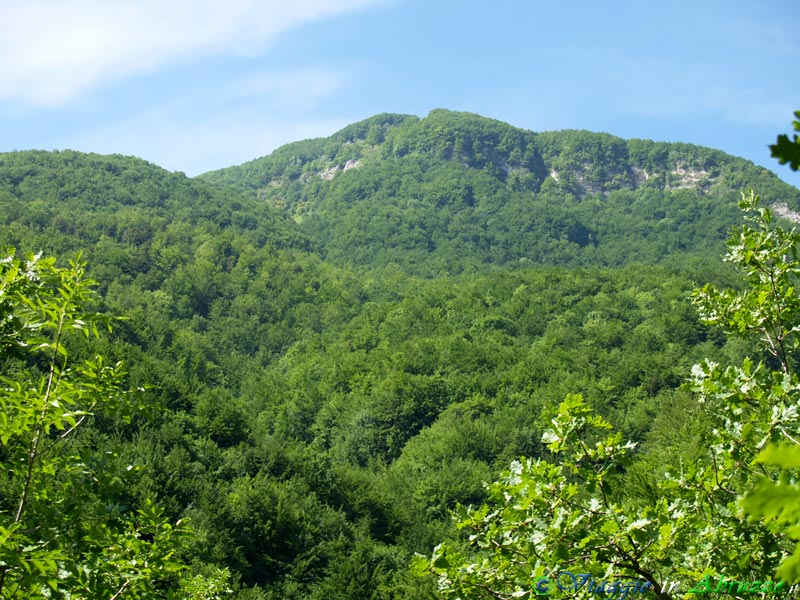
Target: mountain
[[445, 194], [340, 343], [130, 219], [456, 192]]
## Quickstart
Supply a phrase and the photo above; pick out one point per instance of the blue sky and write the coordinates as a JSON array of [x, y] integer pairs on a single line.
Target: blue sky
[[195, 85]]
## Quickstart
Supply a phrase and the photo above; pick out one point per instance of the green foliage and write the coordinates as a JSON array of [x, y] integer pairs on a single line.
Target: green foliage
[[319, 425], [63, 532], [770, 306], [542, 516], [456, 192], [574, 513], [787, 150], [768, 257], [778, 502], [215, 586]]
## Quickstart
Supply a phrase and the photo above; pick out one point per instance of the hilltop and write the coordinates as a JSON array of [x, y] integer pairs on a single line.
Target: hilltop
[[339, 343], [456, 192]]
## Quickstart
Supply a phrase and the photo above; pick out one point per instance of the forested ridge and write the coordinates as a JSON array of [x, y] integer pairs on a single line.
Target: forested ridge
[[337, 345], [456, 192]]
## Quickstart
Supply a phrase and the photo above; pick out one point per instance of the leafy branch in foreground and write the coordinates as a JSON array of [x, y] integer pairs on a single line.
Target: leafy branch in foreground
[[770, 308], [63, 532], [572, 514], [787, 150], [778, 503]]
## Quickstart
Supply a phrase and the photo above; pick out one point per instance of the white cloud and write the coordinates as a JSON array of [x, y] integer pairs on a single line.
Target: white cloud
[[53, 50]]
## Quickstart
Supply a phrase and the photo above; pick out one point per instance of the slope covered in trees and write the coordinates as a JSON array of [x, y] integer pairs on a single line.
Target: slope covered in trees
[[132, 216], [723, 510], [318, 424], [456, 192]]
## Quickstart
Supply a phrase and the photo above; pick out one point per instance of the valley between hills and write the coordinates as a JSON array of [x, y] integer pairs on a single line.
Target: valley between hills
[[333, 349]]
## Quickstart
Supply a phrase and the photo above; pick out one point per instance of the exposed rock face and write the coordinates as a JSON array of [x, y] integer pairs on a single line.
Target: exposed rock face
[[688, 178], [782, 210], [331, 172]]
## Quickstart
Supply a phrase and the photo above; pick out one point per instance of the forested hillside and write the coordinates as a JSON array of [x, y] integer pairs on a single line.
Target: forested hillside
[[456, 192], [340, 343]]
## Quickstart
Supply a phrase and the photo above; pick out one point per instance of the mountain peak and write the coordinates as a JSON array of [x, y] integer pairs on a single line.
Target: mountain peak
[[459, 190]]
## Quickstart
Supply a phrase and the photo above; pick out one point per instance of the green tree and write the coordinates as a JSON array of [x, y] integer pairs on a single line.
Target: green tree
[[777, 502], [573, 513], [788, 150], [64, 532]]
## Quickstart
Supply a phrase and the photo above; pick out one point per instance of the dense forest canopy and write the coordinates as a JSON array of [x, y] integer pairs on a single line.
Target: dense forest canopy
[[340, 343], [456, 192]]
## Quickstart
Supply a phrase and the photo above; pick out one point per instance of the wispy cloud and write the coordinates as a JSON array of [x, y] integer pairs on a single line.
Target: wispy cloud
[[53, 50]]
